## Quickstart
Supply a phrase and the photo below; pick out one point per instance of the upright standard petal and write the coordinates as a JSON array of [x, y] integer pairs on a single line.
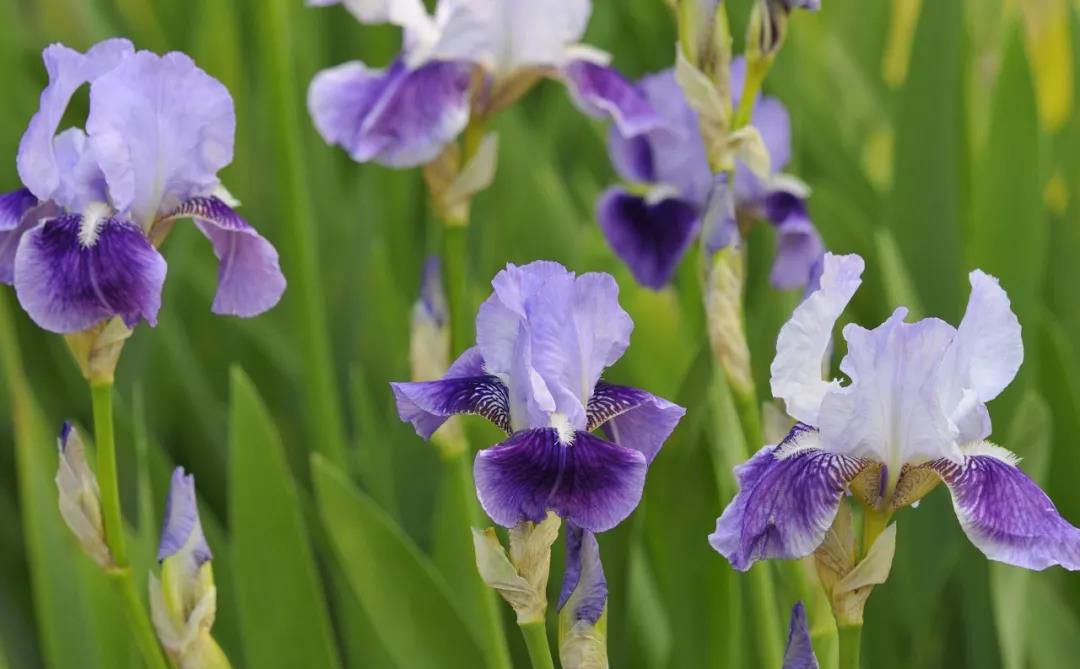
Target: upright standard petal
[[591, 483], [799, 653], [399, 117], [599, 90], [181, 530], [405, 13], [70, 275], [633, 418], [39, 168], [14, 222], [804, 339], [161, 128], [678, 150], [1004, 512], [650, 237], [532, 33], [249, 274], [788, 497]]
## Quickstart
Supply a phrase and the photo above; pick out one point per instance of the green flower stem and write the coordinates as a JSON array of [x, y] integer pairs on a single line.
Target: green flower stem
[[105, 441], [766, 626], [755, 76], [536, 640], [455, 260], [850, 640]]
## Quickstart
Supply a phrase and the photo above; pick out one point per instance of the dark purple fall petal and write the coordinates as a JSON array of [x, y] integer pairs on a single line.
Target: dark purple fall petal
[[181, 527], [67, 286], [651, 238], [584, 586], [601, 91], [632, 417], [249, 275], [591, 483], [13, 223], [399, 117], [785, 505], [1006, 515], [799, 653]]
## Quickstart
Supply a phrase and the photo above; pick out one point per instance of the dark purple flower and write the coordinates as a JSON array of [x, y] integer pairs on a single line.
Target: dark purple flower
[[913, 414], [650, 232], [404, 115], [544, 338], [79, 241]]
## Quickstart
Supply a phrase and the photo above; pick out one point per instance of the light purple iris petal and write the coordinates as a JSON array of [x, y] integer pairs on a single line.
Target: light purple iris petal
[[66, 286], [799, 653], [785, 505], [584, 584], [799, 249], [427, 404], [181, 526], [1006, 515], [13, 223], [601, 91], [398, 117], [633, 418], [591, 483], [651, 238], [632, 157], [39, 167], [678, 149], [249, 275], [720, 228], [161, 128]]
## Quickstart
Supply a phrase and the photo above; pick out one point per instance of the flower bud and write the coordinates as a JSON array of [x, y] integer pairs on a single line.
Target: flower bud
[[183, 602], [429, 342], [97, 349], [849, 583], [583, 604], [724, 316], [520, 577], [768, 28], [80, 497], [453, 185]]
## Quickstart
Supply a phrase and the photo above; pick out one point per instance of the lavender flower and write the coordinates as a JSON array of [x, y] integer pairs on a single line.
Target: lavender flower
[[652, 223], [912, 414], [543, 339], [471, 58], [79, 240]]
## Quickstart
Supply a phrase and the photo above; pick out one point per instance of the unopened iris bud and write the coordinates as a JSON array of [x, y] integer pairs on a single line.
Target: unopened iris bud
[[97, 349], [80, 497], [429, 343], [768, 27], [521, 576], [453, 185], [848, 580], [583, 604], [183, 602]]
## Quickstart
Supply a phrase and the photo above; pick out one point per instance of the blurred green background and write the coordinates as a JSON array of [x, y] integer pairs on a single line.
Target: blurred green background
[[937, 136]]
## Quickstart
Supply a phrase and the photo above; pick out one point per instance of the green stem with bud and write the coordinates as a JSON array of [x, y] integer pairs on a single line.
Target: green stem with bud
[[536, 641], [101, 394]]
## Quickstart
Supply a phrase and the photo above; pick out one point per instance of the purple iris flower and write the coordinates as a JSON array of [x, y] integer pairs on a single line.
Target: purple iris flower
[[584, 586], [471, 58], [799, 652], [181, 531], [651, 224], [543, 339], [911, 415], [79, 240]]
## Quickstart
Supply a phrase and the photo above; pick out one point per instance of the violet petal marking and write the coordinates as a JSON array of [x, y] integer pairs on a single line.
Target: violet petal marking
[[591, 483], [181, 528], [13, 223], [785, 504], [249, 275], [799, 653], [632, 417], [68, 280], [398, 117], [427, 404], [599, 90], [651, 238], [1005, 514], [584, 586], [68, 71]]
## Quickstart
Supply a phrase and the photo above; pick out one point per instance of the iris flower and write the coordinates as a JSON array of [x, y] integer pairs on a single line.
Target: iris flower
[[79, 240], [651, 224], [544, 337], [912, 414], [470, 59]]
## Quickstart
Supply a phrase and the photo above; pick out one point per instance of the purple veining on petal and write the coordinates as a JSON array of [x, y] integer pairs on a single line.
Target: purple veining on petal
[[249, 274], [67, 286], [651, 238], [427, 404], [602, 91], [799, 653], [584, 586], [181, 527], [13, 223], [633, 418], [788, 497], [1006, 515], [591, 483], [398, 117]]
